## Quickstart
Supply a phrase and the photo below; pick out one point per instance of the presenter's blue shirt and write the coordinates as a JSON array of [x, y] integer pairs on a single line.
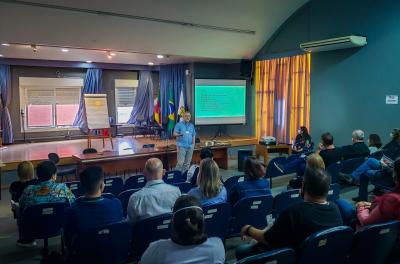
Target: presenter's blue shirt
[[187, 131]]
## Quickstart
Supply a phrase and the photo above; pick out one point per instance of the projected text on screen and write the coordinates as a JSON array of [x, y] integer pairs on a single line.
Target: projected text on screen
[[220, 101]]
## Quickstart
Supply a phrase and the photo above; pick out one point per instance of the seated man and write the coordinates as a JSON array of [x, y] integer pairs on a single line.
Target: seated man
[[297, 222], [91, 210], [329, 153], [371, 166], [47, 190], [156, 197], [358, 148]]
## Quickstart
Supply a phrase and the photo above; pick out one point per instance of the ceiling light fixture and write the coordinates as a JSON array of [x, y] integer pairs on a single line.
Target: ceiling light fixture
[[64, 50], [5, 44], [1, 55], [88, 61], [150, 63], [113, 53], [160, 56]]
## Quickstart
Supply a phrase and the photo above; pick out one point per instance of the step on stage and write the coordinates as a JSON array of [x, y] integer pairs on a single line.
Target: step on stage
[[125, 148]]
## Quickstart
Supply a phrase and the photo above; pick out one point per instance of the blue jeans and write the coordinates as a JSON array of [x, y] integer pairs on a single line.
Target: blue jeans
[[348, 212], [369, 167]]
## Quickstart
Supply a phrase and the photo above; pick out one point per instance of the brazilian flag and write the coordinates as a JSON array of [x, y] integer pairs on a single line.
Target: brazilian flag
[[171, 110]]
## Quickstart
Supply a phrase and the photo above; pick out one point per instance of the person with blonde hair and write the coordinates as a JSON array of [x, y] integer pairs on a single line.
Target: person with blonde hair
[[210, 189], [25, 172]]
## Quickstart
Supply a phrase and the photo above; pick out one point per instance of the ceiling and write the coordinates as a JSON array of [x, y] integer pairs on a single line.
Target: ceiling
[[138, 30]]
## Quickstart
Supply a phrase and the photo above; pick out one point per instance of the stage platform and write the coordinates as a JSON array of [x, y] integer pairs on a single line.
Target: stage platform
[[36, 152]]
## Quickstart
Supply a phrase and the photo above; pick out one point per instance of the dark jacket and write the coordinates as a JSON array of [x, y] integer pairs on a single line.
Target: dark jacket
[[356, 150], [392, 149]]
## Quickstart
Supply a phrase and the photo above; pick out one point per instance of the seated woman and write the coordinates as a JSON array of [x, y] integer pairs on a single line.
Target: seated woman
[[302, 143], [374, 143], [188, 242], [314, 161], [254, 184], [371, 166], [47, 190], [210, 189], [25, 174], [193, 171], [382, 209]]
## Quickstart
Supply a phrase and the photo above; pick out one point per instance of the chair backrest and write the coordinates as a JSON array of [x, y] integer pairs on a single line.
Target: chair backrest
[[380, 239], [54, 157], [286, 199], [272, 171], [231, 182], [333, 171], [184, 187], [89, 150], [104, 244], [217, 219], [277, 256], [330, 246], [149, 230], [42, 221], [113, 185], [173, 176], [124, 198], [350, 165], [334, 192], [135, 182], [75, 187], [252, 211]]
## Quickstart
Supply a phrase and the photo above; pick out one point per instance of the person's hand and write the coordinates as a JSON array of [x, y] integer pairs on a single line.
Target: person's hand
[[320, 146], [243, 232]]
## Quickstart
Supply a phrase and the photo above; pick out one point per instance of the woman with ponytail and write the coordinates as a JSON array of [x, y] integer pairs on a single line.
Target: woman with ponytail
[[188, 243]]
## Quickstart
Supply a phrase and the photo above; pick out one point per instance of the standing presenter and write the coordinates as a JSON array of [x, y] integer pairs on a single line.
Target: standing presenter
[[185, 140]]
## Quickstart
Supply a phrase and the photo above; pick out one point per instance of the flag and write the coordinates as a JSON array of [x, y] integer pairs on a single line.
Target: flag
[[181, 107], [171, 110], [157, 114]]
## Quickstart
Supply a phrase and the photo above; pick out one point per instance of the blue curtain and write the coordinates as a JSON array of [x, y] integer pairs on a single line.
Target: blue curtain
[[91, 85], [5, 89], [171, 76], [143, 108]]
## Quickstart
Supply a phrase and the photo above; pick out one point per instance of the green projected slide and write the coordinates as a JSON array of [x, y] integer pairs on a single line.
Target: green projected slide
[[220, 102]]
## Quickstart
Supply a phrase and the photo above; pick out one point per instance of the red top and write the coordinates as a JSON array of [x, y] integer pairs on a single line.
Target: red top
[[384, 208]]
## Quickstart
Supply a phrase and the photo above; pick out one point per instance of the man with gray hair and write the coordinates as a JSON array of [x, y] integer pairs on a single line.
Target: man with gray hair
[[155, 198], [358, 148]]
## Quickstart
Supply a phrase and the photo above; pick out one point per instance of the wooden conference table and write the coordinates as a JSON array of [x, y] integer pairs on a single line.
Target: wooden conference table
[[129, 161]]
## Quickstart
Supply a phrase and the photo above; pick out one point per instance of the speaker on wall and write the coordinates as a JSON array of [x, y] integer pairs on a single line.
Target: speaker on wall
[[246, 68]]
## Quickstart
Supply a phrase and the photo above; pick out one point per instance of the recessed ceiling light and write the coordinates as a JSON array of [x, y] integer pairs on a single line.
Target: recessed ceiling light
[[1, 55], [5, 44], [88, 61], [64, 50], [113, 53], [150, 63], [160, 56]]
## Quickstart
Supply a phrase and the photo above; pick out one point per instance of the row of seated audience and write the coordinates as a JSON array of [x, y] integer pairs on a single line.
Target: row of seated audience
[[188, 239]]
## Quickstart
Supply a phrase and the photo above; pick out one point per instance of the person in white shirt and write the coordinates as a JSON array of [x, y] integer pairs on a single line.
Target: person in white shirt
[[155, 198], [188, 243]]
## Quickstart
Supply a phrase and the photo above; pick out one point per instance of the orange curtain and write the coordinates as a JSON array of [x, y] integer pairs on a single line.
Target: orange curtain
[[282, 96]]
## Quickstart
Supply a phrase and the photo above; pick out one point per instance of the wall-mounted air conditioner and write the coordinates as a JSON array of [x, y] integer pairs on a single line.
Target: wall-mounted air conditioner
[[334, 43]]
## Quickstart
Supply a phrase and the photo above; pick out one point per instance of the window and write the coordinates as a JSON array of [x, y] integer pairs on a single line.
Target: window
[[49, 103], [125, 95]]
